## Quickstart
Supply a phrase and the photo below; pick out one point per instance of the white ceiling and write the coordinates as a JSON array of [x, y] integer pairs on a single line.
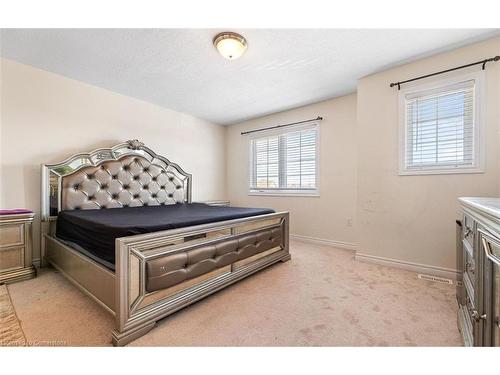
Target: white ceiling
[[181, 70]]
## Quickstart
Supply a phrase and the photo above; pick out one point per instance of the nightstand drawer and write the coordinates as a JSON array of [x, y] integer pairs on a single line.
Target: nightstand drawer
[[16, 251], [11, 257], [11, 235]]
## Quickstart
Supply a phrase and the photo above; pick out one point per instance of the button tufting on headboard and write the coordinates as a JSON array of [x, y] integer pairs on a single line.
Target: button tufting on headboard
[[110, 177], [96, 187]]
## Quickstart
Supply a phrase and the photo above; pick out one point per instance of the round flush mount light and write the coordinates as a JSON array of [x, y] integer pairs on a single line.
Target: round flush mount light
[[230, 45]]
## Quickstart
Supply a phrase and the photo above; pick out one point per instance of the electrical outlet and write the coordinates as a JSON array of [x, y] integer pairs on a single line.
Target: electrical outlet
[[349, 222]]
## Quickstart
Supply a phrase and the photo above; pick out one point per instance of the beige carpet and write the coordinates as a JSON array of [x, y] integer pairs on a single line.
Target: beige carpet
[[11, 333], [322, 297]]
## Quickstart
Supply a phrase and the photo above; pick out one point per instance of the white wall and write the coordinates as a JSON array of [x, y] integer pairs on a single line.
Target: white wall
[[324, 217], [412, 218], [46, 117], [406, 218]]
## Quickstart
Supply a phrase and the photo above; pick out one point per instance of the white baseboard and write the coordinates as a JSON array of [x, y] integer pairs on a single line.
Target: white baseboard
[[448, 273], [322, 241]]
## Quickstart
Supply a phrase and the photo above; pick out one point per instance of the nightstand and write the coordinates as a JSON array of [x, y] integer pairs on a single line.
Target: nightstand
[[216, 203], [16, 244]]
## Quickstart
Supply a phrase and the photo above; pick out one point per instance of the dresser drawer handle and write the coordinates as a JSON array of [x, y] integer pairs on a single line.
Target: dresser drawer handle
[[470, 267], [475, 315]]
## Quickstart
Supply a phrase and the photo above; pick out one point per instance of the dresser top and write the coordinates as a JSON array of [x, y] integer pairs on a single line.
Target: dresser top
[[490, 206]]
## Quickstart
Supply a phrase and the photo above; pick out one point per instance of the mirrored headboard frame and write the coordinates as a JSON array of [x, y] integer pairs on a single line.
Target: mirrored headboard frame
[[52, 174]]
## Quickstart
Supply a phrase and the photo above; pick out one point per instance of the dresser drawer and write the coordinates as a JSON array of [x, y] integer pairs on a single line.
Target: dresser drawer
[[469, 308], [11, 257], [468, 231], [470, 267], [11, 235], [469, 287]]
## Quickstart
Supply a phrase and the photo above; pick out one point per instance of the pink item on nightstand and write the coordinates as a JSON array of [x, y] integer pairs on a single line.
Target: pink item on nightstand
[[15, 211]]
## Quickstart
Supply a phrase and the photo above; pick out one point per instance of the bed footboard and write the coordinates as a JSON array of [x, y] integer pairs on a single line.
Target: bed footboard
[[159, 273]]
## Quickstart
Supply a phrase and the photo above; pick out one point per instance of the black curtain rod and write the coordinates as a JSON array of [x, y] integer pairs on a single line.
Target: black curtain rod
[[319, 118], [483, 62]]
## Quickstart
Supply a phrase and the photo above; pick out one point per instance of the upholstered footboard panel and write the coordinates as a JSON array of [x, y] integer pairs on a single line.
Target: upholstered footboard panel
[[170, 270], [161, 272]]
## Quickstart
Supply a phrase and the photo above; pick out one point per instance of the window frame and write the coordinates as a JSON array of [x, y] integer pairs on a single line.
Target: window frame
[[284, 192], [437, 86]]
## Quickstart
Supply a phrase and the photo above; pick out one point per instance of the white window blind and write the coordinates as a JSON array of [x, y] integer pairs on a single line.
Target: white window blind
[[285, 162], [440, 128]]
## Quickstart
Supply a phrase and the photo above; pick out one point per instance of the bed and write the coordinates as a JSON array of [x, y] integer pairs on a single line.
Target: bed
[[120, 224]]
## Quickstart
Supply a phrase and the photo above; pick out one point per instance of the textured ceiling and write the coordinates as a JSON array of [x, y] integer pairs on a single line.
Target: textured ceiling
[[181, 70]]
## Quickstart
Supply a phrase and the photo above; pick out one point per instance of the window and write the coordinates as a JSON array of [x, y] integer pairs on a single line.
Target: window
[[441, 128], [285, 162]]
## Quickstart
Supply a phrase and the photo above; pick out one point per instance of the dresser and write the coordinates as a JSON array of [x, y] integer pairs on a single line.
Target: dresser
[[479, 266], [16, 243]]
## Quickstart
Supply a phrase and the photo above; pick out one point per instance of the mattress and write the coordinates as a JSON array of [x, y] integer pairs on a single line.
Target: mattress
[[93, 232]]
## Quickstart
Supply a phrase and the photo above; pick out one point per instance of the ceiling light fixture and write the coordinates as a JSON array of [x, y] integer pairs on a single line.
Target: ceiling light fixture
[[230, 45]]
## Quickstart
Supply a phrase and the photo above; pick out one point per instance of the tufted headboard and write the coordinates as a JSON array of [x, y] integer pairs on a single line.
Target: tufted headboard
[[126, 175]]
